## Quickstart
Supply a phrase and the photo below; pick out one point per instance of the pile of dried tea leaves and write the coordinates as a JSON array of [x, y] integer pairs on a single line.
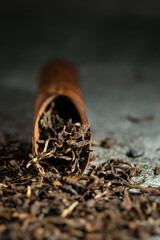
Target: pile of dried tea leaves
[[63, 144], [99, 205]]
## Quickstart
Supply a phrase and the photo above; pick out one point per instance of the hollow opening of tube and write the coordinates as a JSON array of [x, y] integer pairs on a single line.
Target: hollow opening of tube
[[66, 109]]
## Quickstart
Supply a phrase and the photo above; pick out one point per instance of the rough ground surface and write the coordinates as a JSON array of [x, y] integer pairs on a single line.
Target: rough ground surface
[[118, 62]]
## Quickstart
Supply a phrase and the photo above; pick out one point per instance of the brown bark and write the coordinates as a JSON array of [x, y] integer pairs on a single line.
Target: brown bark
[[59, 80]]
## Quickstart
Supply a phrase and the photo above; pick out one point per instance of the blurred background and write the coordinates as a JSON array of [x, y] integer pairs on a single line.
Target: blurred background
[[115, 45]]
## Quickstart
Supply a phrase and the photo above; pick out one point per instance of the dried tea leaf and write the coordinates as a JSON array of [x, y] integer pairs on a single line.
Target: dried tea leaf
[[62, 145]]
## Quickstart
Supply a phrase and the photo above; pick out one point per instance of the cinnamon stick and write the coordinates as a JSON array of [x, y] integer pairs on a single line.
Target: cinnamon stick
[[59, 101]]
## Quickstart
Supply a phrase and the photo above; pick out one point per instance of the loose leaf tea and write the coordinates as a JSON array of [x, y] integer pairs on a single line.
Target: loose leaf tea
[[63, 144], [101, 204]]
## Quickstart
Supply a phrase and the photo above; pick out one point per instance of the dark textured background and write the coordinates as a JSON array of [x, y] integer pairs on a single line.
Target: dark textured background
[[115, 46]]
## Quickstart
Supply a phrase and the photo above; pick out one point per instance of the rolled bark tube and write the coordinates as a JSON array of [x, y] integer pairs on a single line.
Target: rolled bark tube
[[58, 82]]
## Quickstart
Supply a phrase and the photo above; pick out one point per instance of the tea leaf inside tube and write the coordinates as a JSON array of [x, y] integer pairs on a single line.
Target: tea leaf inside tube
[[62, 143]]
